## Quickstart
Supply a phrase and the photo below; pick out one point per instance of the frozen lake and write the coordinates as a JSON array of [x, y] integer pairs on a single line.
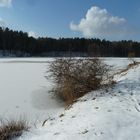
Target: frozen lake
[[24, 90]]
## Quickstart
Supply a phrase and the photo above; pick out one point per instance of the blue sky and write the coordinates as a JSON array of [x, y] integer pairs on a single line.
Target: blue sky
[[110, 19]]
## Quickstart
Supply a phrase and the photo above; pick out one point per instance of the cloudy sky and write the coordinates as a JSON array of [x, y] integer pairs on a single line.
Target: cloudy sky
[[110, 19]]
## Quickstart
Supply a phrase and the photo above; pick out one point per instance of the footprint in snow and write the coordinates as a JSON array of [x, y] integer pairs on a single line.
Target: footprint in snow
[[96, 108]]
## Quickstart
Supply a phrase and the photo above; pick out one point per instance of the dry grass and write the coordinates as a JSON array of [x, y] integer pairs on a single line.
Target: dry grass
[[131, 65], [12, 129]]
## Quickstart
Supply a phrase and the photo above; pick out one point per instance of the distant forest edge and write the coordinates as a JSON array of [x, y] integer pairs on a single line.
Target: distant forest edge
[[19, 44]]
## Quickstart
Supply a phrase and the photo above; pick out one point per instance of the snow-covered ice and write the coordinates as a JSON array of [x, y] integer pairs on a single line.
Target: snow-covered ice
[[24, 90]]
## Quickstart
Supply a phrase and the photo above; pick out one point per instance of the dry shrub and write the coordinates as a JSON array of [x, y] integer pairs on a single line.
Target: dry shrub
[[132, 64], [76, 77], [12, 129]]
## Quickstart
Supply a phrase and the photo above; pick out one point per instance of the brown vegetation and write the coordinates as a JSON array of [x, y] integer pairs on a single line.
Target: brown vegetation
[[12, 129], [133, 63], [76, 77]]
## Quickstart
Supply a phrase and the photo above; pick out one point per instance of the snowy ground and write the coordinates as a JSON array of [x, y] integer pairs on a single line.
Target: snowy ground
[[101, 115]]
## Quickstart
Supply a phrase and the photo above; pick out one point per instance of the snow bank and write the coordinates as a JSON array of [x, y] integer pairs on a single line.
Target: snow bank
[[100, 115]]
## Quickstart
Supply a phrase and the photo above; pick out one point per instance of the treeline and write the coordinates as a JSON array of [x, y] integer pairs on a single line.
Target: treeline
[[18, 43]]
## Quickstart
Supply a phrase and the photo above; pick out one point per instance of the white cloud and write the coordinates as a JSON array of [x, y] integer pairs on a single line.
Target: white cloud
[[100, 23], [2, 22], [32, 34], [5, 3]]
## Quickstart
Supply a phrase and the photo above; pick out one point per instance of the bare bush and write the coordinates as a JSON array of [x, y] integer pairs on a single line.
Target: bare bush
[[12, 129], [76, 77]]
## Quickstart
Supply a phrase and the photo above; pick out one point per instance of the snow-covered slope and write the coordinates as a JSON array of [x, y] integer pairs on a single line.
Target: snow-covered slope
[[112, 114]]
